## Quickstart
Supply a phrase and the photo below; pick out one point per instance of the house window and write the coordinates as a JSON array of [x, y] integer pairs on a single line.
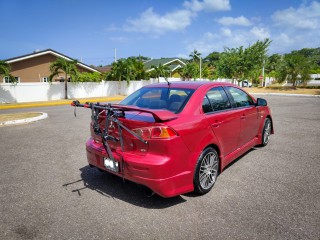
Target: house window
[[45, 79], [7, 79]]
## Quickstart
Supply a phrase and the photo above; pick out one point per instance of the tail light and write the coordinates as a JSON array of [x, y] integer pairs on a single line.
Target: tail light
[[159, 132]]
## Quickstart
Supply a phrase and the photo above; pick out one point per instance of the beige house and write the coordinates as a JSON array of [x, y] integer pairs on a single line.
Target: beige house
[[174, 65], [35, 67]]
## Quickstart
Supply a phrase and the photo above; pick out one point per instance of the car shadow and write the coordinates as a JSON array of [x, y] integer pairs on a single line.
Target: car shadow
[[111, 186], [193, 194], [237, 159]]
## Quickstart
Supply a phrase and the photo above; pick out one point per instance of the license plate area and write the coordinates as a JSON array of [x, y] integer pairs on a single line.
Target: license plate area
[[110, 164]]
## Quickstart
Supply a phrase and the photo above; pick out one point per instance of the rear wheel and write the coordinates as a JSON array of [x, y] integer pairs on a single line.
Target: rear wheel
[[266, 132], [206, 171]]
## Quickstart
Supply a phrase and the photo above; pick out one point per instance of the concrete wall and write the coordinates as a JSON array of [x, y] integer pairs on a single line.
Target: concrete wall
[[33, 92]]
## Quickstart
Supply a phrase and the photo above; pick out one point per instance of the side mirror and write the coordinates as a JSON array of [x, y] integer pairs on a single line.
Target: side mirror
[[261, 102]]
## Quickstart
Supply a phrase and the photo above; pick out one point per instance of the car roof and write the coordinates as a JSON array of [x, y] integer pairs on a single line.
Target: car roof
[[189, 84]]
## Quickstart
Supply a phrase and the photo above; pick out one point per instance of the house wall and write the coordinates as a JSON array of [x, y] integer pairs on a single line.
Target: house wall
[[34, 69], [175, 74]]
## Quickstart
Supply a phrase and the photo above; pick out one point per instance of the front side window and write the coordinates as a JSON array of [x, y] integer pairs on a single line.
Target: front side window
[[215, 100], [240, 98], [171, 99]]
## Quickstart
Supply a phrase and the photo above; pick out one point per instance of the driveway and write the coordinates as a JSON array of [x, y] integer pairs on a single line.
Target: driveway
[[48, 191]]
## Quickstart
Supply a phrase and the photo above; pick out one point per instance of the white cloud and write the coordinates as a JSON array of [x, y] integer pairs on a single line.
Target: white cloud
[[296, 28], [304, 17], [239, 21], [226, 37], [151, 22], [260, 33], [209, 35], [207, 5], [226, 32]]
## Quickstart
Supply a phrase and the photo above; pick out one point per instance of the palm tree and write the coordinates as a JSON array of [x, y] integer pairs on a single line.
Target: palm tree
[[118, 71], [161, 71], [195, 56], [5, 69], [69, 68], [140, 72]]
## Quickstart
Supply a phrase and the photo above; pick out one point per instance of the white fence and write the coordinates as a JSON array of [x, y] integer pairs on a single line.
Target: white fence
[[33, 92]]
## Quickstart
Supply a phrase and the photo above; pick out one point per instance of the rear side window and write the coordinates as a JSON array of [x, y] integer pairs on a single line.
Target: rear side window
[[240, 98], [215, 100], [171, 99]]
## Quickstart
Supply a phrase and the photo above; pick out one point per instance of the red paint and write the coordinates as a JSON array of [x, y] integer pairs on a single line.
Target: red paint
[[175, 141]]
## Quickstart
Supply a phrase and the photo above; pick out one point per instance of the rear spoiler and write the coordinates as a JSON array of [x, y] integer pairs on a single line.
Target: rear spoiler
[[158, 114]]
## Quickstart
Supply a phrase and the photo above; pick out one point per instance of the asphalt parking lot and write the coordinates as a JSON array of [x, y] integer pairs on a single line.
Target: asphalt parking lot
[[47, 190]]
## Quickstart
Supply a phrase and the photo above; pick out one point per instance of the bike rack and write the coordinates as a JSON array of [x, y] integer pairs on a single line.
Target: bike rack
[[112, 114]]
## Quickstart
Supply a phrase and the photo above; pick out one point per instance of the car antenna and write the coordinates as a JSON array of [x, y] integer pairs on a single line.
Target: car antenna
[[167, 81]]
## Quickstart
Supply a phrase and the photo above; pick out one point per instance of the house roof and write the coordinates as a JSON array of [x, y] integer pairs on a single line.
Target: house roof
[[163, 61], [104, 69], [48, 51]]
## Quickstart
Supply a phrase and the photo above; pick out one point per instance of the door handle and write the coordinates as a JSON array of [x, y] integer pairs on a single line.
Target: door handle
[[216, 124], [243, 116]]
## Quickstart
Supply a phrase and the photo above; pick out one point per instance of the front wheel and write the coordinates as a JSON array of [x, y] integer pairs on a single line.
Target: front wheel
[[266, 132], [206, 171]]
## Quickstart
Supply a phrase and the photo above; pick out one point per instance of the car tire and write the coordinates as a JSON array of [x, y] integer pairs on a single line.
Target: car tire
[[206, 171], [266, 132]]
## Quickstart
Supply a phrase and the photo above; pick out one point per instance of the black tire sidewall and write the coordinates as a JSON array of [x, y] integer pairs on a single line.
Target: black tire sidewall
[[197, 186], [266, 121]]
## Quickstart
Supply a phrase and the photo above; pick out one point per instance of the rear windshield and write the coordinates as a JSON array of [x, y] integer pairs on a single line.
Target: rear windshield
[[172, 99]]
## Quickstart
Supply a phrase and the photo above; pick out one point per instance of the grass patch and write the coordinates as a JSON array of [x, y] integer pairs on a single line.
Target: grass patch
[[17, 116]]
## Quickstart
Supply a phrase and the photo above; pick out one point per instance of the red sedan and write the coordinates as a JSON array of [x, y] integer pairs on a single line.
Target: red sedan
[[177, 137]]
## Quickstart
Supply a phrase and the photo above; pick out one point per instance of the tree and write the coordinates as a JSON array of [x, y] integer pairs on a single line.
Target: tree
[[295, 65], [139, 58], [89, 77], [5, 69], [195, 56], [272, 63], [124, 69], [189, 71], [231, 63], [160, 71], [140, 72], [212, 59], [118, 71], [206, 71], [69, 68], [240, 63]]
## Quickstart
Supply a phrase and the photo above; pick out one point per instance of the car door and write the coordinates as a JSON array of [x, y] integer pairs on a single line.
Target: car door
[[249, 114], [224, 121]]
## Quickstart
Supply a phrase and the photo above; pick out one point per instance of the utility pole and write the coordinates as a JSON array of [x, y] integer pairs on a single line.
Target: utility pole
[[200, 58], [115, 55], [262, 82], [200, 68]]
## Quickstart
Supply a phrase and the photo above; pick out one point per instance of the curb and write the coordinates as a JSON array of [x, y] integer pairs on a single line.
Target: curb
[[48, 104], [26, 120], [286, 94]]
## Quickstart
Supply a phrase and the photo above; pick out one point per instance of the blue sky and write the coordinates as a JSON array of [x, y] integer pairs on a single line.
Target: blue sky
[[90, 30]]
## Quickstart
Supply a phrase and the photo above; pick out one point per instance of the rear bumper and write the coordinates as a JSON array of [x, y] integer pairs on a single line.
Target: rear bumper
[[157, 172]]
